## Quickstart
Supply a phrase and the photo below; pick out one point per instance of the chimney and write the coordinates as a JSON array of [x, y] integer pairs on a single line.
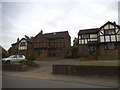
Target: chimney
[[114, 22], [17, 39], [41, 31]]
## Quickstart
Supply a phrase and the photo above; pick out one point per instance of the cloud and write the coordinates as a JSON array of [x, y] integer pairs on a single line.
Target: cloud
[[28, 18]]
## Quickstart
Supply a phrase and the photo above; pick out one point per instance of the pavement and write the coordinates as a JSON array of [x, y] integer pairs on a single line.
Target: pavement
[[45, 72]]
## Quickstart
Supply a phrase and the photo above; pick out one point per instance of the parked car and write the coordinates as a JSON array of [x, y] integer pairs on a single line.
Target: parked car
[[13, 59]]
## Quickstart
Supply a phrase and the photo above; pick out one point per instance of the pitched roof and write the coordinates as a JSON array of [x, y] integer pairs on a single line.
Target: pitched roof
[[112, 23], [89, 31], [56, 35], [2, 50], [96, 30]]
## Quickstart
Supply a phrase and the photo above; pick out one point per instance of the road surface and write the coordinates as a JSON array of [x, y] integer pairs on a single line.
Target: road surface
[[19, 82]]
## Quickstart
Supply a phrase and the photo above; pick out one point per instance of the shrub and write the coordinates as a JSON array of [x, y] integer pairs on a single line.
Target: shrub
[[29, 63], [32, 55]]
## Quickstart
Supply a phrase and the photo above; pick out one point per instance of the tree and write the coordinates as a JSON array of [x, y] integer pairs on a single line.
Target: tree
[[75, 48], [27, 37], [32, 55]]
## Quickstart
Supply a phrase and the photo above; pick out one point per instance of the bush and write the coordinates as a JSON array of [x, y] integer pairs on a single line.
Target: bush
[[29, 63], [32, 56]]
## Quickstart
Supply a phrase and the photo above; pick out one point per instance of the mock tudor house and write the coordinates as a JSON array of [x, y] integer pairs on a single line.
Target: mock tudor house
[[21, 47], [103, 41], [52, 44], [49, 44]]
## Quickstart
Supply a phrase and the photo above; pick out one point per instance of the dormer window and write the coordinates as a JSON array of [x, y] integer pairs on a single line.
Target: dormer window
[[84, 36], [109, 31], [23, 44]]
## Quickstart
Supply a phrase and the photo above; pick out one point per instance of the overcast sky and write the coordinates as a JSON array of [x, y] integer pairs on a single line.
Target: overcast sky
[[28, 18]]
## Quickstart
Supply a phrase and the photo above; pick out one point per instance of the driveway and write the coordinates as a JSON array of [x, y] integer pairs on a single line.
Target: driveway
[[46, 66]]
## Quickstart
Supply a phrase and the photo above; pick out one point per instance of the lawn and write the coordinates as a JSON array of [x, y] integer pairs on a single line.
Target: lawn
[[107, 57], [49, 59], [101, 64], [81, 59], [99, 58]]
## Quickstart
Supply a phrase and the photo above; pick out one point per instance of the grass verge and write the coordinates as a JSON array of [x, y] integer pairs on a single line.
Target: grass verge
[[81, 59], [107, 57], [101, 64]]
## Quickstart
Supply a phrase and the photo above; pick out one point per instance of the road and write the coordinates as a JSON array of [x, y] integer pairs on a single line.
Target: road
[[20, 82]]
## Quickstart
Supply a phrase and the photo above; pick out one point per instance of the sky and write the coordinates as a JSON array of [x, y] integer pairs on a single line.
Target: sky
[[20, 17]]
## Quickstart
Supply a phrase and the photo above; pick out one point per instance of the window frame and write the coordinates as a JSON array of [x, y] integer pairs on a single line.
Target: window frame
[[85, 36], [108, 46], [109, 32]]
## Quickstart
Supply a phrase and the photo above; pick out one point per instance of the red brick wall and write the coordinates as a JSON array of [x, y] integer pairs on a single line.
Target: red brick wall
[[105, 52], [83, 53]]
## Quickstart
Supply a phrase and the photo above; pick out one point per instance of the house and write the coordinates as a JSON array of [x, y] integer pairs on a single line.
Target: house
[[3, 52], [103, 41], [21, 47], [52, 44], [44, 45]]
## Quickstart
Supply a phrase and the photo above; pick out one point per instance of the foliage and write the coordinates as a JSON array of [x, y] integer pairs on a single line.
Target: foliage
[[75, 42], [75, 47], [32, 55], [28, 38], [29, 63]]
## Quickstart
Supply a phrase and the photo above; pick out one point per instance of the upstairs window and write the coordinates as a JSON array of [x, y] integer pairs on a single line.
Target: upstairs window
[[58, 40], [40, 50], [23, 44], [39, 40], [110, 46], [109, 31], [84, 36]]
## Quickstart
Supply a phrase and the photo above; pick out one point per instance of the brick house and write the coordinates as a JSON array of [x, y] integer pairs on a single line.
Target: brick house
[[49, 44], [52, 44], [103, 41]]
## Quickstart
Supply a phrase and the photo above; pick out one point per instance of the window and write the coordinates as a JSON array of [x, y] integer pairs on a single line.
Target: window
[[84, 48], [85, 36], [110, 46], [92, 48], [40, 50], [22, 43], [13, 56], [20, 56], [58, 40], [109, 31], [39, 40]]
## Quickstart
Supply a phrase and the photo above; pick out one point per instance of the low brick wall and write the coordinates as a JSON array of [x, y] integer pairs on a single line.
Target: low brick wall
[[86, 70], [13, 67]]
